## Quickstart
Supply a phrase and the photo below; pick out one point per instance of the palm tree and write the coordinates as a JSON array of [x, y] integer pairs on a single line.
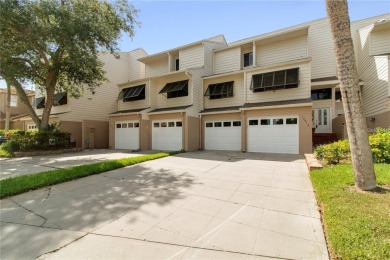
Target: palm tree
[[362, 162]]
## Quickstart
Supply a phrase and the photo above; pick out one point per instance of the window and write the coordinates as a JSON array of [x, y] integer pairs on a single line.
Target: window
[[291, 121], [131, 125], [175, 89], [31, 127], [248, 59], [278, 121], [164, 124], [236, 123], [156, 124], [227, 124], [39, 102], [217, 124], [177, 64], [220, 90], [171, 124], [136, 124], [265, 121], [338, 96], [282, 79], [209, 124], [124, 125], [132, 94], [60, 99], [118, 125], [179, 124], [253, 122], [14, 101], [321, 94]]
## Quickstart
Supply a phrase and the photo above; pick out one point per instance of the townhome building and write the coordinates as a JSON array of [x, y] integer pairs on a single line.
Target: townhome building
[[161, 111], [17, 108], [269, 93], [86, 118]]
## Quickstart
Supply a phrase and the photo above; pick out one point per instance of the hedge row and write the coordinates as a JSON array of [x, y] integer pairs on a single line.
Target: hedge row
[[20, 140], [338, 151]]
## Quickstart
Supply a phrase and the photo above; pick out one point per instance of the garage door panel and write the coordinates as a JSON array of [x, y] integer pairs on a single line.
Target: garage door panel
[[272, 137], [127, 136], [167, 138], [226, 137]]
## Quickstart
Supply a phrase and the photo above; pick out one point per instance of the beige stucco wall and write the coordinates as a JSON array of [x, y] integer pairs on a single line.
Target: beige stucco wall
[[381, 120], [305, 123], [75, 129], [339, 128], [101, 134], [192, 138]]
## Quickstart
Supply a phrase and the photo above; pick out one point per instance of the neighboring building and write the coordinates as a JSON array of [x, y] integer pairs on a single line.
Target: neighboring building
[[86, 118], [17, 108]]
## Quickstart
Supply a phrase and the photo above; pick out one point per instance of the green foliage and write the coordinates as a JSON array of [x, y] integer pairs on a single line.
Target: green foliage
[[56, 44], [357, 223], [20, 140], [335, 152], [4, 153], [2, 132], [20, 184]]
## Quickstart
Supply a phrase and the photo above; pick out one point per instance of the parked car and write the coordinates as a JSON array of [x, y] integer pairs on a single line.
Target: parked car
[[3, 139]]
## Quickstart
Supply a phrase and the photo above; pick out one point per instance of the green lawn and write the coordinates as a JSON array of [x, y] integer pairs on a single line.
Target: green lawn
[[357, 224], [20, 184]]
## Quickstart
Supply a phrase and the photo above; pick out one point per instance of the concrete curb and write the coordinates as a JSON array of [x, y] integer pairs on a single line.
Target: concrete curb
[[312, 162], [37, 153]]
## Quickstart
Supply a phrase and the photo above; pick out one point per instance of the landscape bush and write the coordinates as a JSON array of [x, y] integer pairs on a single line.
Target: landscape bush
[[20, 140], [339, 151]]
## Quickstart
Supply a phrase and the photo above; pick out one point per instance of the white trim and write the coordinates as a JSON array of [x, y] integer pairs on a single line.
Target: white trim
[[278, 106], [221, 112]]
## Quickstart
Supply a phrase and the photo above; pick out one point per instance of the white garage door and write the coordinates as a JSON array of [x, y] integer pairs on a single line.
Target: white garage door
[[127, 135], [273, 135], [223, 135], [167, 135]]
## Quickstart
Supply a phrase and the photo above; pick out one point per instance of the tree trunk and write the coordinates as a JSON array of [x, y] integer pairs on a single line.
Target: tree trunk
[[24, 99], [351, 96], [50, 90], [8, 107]]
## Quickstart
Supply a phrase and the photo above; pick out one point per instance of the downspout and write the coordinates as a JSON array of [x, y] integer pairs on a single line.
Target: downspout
[[192, 82], [184, 126], [140, 131], [200, 132]]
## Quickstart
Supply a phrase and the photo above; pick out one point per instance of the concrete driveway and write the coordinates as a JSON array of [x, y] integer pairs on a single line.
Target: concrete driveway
[[200, 205], [27, 165]]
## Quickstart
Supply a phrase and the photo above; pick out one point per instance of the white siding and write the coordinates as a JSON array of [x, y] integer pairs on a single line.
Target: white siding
[[238, 90], [281, 51], [157, 67], [380, 42], [303, 90], [320, 46], [97, 106], [218, 38], [373, 70], [191, 57], [137, 69], [227, 60], [135, 104]]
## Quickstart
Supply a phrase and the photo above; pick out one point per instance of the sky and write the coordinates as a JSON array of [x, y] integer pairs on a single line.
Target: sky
[[169, 24]]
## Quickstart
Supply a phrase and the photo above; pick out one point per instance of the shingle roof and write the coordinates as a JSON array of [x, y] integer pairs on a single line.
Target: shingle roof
[[277, 103]]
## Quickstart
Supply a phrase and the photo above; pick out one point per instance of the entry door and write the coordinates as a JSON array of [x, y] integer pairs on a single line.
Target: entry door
[[321, 120], [91, 138]]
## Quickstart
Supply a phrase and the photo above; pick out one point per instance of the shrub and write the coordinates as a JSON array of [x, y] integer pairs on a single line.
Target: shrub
[[19, 140], [2, 132], [335, 152]]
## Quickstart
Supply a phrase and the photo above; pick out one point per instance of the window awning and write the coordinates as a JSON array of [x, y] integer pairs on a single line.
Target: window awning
[[59, 96], [225, 88], [131, 92], [38, 101], [282, 79], [174, 86]]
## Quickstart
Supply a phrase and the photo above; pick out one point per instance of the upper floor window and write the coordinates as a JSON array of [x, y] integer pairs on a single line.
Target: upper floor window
[[248, 59], [39, 102], [60, 99], [175, 89], [132, 93], [282, 79], [14, 101], [320, 94], [220, 90], [177, 64]]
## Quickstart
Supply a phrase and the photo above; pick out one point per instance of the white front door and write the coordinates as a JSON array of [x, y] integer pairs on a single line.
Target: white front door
[[223, 135], [127, 135], [167, 135], [321, 120]]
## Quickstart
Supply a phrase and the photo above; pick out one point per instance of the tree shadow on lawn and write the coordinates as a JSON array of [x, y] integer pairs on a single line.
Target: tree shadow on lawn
[[88, 204]]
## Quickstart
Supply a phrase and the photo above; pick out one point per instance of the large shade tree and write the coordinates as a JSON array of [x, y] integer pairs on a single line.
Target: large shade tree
[[351, 95], [54, 44]]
